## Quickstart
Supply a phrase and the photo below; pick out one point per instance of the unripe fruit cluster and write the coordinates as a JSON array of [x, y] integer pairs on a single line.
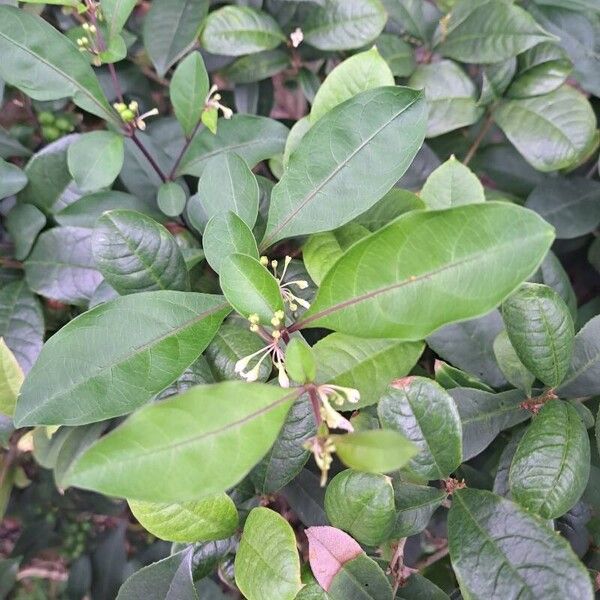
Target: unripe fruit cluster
[[54, 126]]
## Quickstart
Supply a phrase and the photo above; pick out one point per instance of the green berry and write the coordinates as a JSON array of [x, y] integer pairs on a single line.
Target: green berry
[[64, 124], [50, 133], [127, 115], [46, 118]]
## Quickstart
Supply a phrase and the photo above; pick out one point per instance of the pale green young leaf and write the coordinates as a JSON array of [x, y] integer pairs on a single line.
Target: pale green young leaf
[[171, 199], [300, 362], [11, 379]]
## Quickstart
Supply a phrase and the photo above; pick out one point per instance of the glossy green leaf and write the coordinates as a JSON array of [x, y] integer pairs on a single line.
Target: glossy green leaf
[[360, 72], [368, 365], [188, 91], [237, 30], [553, 274], [264, 571], [122, 352], [514, 370], [134, 253], [116, 13], [583, 376], [540, 328], [170, 29], [374, 451], [344, 24], [44, 64], [256, 67], [450, 377], [356, 165], [171, 199], [360, 577], [451, 96], [500, 550], [249, 287], [11, 379], [212, 518], [61, 266], [361, 504], [551, 465], [495, 78], [487, 31], [12, 179], [226, 184], [378, 287], [24, 222], [253, 138], [414, 506], [550, 131], [426, 414], [452, 184], [300, 361], [397, 53], [207, 427]]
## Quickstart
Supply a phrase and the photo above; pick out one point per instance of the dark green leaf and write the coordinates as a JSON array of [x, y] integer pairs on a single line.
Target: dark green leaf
[[360, 577], [256, 67], [171, 199], [514, 370], [397, 53], [24, 222], [12, 179], [414, 505]]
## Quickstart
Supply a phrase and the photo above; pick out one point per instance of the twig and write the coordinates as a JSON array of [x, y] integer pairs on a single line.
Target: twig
[[591, 172], [188, 141], [148, 156], [433, 558], [41, 573], [482, 132]]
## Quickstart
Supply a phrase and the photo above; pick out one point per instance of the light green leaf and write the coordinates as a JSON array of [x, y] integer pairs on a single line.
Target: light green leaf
[[24, 222], [514, 370], [451, 96], [540, 328], [171, 199], [116, 13], [551, 465], [383, 287], [11, 379], [170, 29], [368, 365], [344, 24], [452, 184], [135, 254], [117, 356], [44, 64], [450, 377], [499, 550], [256, 67], [550, 131], [249, 287], [356, 165], [361, 72], [361, 504], [12, 179], [414, 505], [426, 414], [395, 203], [264, 571], [487, 31], [300, 361], [374, 451], [207, 427], [226, 184], [238, 30], [212, 518], [95, 159], [226, 234]]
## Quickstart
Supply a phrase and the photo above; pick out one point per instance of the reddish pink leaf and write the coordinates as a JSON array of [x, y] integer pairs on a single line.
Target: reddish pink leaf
[[328, 550]]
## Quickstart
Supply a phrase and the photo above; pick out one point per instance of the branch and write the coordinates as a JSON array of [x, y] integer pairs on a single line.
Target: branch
[[476, 143], [148, 156]]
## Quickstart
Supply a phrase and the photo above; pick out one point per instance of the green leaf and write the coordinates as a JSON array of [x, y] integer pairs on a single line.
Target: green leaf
[[207, 427], [377, 288], [95, 159], [237, 30], [45, 65], [360, 72], [397, 53], [452, 184], [374, 451], [188, 91], [300, 361], [343, 24], [24, 222], [583, 376], [514, 370], [394, 204], [170, 30], [249, 287], [487, 31], [264, 571], [414, 505], [253, 138], [426, 414], [12, 179], [11, 379], [540, 328], [495, 78], [256, 67], [61, 266], [499, 550], [168, 579], [541, 70], [135, 254], [368, 365], [117, 356], [21, 322], [553, 274], [116, 13], [171, 199], [212, 518], [361, 504], [226, 234], [550, 131], [356, 165], [450, 377], [321, 250], [226, 184], [551, 465], [360, 577], [572, 206], [451, 96]]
